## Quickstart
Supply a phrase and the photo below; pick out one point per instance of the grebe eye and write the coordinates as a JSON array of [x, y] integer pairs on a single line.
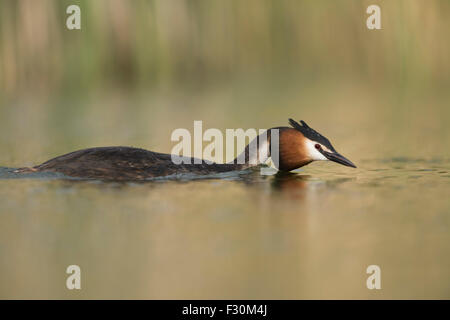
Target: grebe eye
[[317, 146]]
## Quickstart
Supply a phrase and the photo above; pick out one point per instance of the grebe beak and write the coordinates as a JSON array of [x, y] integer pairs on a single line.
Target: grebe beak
[[336, 157]]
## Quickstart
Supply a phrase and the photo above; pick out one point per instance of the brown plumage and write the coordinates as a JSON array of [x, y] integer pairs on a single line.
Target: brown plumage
[[292, 154], [123, 163]]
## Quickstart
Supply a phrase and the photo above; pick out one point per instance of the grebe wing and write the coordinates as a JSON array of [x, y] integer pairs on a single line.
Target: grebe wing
[[111, 163]]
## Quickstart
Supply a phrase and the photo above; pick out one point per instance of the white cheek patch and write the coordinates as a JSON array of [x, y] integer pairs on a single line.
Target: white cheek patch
[[313, 152]]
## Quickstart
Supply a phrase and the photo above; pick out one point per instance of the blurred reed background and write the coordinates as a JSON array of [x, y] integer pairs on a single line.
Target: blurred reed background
[[223, 62], [146, 44]]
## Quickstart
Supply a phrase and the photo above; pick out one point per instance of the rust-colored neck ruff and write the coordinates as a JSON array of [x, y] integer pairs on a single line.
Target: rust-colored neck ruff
[[293, 153], [292, 150]]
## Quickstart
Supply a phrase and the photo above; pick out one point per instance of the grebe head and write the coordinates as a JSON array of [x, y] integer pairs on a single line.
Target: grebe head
[[303, 144]]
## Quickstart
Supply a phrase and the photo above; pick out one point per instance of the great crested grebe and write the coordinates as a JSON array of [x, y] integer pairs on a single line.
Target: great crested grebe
[[298, 146]]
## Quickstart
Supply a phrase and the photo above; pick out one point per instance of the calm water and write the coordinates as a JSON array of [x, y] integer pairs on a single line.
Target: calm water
[[310, 234]]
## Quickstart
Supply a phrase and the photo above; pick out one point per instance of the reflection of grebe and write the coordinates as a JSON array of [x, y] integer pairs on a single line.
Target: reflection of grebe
[[289, 181], [298, 146]]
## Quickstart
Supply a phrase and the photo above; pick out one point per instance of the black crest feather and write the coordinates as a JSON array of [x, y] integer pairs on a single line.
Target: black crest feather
[[311, 134]]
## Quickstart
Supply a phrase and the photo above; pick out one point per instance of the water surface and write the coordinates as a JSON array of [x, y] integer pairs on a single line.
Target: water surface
[[308, 234]]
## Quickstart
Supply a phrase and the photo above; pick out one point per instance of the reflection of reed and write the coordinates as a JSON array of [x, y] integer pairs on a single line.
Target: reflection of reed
[[148, 42]]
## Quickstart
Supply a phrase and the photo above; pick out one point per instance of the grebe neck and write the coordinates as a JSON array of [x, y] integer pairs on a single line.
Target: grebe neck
[[256, 152]]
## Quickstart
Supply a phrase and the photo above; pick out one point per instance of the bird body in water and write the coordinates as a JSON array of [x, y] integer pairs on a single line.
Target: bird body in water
[[297, 146]]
